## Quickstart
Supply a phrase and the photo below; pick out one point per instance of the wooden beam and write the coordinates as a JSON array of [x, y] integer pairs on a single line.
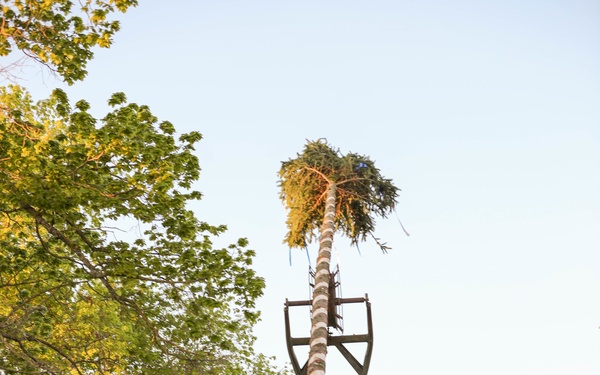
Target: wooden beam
[[332, 340], [350, 358]]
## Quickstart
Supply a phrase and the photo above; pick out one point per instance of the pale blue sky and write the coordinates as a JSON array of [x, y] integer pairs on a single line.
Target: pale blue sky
[[484, 113]]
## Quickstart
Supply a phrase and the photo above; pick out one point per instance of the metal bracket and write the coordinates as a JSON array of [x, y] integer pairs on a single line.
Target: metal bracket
[[337, 341]]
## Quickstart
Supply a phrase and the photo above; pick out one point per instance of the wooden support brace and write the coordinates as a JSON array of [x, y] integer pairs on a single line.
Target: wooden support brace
[[337, 341]]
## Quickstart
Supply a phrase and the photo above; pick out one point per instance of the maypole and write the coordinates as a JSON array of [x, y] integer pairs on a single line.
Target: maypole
[[323, 189]]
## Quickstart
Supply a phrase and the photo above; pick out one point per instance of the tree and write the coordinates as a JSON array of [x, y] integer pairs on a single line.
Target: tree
[[59, 34], [80, 297], [322, 188]]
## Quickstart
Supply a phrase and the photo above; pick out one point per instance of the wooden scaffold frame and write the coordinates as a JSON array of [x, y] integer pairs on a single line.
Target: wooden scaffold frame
[[335, 322]]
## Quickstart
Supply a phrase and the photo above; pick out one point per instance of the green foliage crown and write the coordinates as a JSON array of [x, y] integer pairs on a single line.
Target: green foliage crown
[[362, 193]]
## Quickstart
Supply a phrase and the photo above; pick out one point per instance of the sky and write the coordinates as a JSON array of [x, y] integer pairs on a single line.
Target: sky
[[484, 113]]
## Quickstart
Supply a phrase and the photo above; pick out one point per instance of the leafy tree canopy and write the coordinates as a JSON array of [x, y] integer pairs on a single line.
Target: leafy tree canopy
[[362, 193], [59, 33], [80, 298]]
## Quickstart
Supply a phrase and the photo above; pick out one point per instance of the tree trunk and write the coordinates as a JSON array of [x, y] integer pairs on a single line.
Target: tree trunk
[[320, 297]]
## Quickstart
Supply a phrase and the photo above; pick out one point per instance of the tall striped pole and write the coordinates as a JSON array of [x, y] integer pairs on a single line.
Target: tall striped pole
[[320, 297]]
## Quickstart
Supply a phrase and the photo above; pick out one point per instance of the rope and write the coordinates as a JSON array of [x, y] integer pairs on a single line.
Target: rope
[[290, 255], [307, 255], [402, 226], [337, 255]]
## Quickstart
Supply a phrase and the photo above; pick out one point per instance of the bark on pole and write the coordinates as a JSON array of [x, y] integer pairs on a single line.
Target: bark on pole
[[320, 300]]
